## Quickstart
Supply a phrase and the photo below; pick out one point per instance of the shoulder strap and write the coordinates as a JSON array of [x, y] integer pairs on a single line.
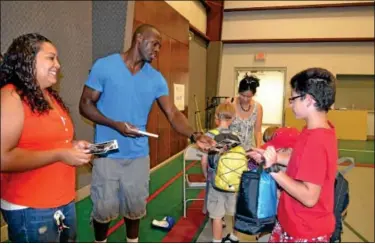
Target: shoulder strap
[[214, 132], [349, 160]]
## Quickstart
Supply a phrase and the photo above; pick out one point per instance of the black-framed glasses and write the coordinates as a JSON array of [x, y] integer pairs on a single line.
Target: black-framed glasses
[[291, 99]]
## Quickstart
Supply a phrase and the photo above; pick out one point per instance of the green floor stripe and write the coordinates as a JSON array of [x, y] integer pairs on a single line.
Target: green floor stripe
[[355, 232], [353, 145], [359, 157], [361, 151]]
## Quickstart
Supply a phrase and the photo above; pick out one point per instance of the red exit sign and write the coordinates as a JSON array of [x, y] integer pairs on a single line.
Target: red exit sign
[[260, 56]]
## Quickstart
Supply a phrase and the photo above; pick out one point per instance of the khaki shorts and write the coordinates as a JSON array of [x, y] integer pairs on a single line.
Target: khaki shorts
[[220, 203], [119, 187]]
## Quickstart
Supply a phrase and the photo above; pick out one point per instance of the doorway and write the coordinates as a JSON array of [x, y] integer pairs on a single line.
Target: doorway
[[270, 93]]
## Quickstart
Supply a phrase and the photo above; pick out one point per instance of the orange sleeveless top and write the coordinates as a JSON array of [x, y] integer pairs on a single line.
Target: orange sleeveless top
[[52, 185]]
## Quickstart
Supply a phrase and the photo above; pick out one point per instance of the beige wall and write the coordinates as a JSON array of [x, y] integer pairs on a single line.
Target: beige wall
[[192, 11], [197, 78], [339, 58], [308, 23], [355, 94], [370, 123], [247, 4]]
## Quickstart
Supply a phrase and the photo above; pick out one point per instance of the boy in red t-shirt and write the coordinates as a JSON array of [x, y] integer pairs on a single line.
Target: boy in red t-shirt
[[305, 211]]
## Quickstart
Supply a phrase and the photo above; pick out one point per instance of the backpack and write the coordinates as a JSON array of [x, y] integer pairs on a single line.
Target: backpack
[[341, 202], [225, 169], [256, 207]]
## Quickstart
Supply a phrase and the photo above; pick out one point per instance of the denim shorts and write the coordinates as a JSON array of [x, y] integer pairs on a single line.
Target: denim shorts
[[38, 225], [119, 187]]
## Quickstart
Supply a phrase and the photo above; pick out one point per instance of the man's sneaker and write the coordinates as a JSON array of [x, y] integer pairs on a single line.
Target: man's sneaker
[[227, 239]]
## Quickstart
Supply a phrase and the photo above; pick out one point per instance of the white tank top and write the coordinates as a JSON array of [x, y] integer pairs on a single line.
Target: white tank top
[[5, 205]]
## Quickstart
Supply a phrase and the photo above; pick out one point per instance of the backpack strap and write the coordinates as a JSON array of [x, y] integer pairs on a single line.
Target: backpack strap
[[213, 133], [349, 160]]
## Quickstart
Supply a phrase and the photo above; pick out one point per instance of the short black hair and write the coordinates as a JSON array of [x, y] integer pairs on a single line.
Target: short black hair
[[248, 83], [319, 83], [142, 29]]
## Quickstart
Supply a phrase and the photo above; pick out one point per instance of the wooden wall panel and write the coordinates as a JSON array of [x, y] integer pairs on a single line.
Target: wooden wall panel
[[180, 75], [173, 63], [164, 17], [164, 129], [215, 20]]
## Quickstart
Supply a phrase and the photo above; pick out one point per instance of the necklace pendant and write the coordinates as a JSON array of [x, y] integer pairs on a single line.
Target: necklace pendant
[[245, 110]]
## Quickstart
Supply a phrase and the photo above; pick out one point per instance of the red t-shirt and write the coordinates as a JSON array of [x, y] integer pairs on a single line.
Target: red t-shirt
[[314, 160]]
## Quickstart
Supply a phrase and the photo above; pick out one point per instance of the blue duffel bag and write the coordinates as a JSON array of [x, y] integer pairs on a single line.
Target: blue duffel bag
[[256, 202]]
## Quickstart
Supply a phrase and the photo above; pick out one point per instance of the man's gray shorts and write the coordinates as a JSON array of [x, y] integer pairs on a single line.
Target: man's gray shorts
[[119, 187]]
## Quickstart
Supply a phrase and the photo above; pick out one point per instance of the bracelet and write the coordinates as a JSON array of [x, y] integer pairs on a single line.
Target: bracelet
[[194, 136]]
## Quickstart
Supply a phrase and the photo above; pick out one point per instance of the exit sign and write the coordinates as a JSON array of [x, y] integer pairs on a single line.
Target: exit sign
[[260, 56]]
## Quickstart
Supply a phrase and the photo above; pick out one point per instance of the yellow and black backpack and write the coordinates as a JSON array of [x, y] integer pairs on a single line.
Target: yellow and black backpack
[[225, 169]]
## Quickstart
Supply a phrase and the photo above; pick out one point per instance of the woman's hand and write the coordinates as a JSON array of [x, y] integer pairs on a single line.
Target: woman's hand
[[82, 145], [74, 157]]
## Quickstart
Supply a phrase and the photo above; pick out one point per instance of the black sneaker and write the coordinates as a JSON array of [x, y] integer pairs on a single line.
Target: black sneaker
[[227, 239]]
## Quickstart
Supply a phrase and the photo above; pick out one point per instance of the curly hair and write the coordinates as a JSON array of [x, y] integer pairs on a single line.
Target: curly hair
[[319, 83], [18, 68], [248, 83]]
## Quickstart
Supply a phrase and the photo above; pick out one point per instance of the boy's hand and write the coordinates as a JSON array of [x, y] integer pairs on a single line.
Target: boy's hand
[[270, 156], [256, 154]]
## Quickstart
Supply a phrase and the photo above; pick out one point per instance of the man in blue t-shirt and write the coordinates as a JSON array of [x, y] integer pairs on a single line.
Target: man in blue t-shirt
[[117, 97]]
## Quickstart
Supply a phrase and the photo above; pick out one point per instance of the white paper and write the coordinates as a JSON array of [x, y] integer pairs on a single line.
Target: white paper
[[179, 96], [142, 132]]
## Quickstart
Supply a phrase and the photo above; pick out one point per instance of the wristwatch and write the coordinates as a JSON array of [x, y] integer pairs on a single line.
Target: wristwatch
[[194, 136], [273, 169]]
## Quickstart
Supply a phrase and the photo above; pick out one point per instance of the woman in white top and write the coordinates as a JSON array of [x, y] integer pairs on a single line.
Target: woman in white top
[[249, 113]]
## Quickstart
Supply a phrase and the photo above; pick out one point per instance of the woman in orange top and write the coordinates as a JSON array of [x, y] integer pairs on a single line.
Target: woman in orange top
[[38, 154]]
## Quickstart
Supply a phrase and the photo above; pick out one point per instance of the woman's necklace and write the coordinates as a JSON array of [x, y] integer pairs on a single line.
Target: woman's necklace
[[245, 110], [56, 110]]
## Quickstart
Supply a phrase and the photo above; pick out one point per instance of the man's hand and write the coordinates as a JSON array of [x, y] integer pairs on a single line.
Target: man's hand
[[204, 142], [127, 129]]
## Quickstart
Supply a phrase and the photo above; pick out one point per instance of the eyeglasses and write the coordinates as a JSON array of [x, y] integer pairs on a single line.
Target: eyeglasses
[[295, 97]]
